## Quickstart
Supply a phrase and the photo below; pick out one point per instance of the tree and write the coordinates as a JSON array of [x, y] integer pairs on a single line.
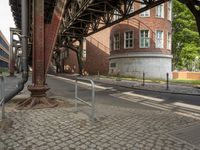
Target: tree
[[186, 42], [194, 7]]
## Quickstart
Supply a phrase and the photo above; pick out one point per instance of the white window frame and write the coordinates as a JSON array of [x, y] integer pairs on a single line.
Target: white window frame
[[160, 11], [145, 13], [159, 41], [145, 39], [125, 39], [116, 15], [169, 40], [169, 10], [114, 42]]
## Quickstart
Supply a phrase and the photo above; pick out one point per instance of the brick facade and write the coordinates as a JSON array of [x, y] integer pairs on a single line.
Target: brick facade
[[99, 46]]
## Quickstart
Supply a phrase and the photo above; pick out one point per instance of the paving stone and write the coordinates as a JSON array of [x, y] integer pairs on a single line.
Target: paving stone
[[120, 128]]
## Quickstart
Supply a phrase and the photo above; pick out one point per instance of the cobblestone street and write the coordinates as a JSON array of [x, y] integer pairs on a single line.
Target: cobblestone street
[[116, 128]]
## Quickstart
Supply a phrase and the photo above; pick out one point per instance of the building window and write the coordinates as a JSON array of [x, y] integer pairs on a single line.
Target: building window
[[116, 41], [145, 13], [160, 11], [116, 15], [84, 53], [159, 39], [169, 12], [112, 65], [128, 39], [144, 39], [169, 38]]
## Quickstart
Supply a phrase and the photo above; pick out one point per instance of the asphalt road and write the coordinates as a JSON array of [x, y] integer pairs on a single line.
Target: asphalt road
[[66, 88], [60, 87]]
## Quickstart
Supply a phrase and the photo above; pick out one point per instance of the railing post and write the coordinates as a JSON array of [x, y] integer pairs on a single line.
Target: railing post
[[76, 96], [98, 75], [93, 101], [167, 83], [143, 79]]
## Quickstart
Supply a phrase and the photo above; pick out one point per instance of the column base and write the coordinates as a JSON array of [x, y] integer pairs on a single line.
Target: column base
[[38, 99], [38, 91]]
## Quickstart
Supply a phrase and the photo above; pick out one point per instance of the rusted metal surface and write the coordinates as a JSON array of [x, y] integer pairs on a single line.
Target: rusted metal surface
[[70, 21], [51, 31]]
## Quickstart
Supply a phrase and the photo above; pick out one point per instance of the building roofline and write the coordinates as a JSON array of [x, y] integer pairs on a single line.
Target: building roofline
[[4, 38]]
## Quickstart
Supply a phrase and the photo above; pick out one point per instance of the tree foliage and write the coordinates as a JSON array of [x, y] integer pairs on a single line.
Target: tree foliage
[[186, 39]]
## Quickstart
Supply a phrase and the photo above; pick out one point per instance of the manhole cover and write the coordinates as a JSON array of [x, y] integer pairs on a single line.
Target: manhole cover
[[189, 134]]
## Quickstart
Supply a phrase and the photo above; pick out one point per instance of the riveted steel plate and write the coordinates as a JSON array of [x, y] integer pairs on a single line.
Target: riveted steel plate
[[190, 134]]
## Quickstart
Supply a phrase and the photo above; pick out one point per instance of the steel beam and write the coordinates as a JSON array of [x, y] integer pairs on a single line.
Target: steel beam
[[51, 31], [11, 56], [38, 88]]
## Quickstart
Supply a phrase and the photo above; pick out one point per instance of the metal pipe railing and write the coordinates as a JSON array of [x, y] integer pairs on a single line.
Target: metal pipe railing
[[2, 96], [92, 104], [24, 37]]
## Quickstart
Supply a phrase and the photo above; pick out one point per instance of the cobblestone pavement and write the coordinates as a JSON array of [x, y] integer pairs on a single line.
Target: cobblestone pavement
[[116, 128]]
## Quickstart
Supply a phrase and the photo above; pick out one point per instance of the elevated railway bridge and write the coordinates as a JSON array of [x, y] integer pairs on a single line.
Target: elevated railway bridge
[[44, 25]]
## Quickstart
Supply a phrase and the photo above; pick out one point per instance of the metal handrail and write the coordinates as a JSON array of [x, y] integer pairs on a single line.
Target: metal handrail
[[2, 97], [92, 104]]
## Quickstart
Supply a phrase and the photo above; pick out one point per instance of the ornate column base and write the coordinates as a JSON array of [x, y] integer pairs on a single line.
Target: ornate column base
[[38, 99]]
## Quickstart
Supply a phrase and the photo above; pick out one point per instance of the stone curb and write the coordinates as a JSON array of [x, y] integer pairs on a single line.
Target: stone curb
[[137, 88]]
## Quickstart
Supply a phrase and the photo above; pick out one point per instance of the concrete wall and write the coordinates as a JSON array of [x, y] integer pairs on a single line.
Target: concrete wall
[[155, 66], [186, 75]]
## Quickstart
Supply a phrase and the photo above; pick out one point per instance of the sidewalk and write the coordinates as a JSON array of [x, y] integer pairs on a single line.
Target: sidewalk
[[176, 89], [116, 128], [158, 87]]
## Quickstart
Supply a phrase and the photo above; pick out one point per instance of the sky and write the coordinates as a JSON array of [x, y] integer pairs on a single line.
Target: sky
[[6, 19]]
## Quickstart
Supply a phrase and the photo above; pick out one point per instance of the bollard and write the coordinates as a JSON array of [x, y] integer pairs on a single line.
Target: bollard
[[167, 83], [98, 75], [143, 79]]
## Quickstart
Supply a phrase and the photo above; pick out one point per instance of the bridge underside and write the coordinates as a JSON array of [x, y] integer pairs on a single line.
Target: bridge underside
[[55, 23]]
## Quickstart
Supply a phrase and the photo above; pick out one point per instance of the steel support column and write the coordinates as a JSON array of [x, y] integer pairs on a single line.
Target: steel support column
[[11, 56], [38, 88], [51, 31], [79, 56]]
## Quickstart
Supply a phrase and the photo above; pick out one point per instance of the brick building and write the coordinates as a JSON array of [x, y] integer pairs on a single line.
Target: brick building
[[4, 52], [139, 44]]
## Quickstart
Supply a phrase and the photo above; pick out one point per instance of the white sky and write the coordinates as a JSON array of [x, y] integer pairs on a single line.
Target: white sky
[[6, 19]]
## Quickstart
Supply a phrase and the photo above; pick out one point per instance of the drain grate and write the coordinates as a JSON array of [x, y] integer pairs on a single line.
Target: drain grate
[[190, 134]]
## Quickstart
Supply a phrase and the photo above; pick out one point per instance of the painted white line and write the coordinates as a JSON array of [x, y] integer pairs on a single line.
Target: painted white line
[[83, 83], [146, 97], [194, 116], [147, 103], [187, 105]]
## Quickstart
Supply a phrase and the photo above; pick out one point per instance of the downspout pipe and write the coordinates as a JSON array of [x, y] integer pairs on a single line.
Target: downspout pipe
[[24, 37]]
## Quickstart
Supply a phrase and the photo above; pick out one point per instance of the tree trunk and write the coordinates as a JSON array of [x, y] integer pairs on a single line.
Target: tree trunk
[[195, 12]]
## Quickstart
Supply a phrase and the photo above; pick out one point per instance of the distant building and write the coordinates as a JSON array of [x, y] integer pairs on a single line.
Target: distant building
[[139, 44], [4, 52]]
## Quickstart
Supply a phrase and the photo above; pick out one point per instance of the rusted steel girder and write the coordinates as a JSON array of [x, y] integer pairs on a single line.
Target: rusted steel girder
[[11, 57], [98, 15], [38, 87], [44, 38], [13, 44], [51, 31]]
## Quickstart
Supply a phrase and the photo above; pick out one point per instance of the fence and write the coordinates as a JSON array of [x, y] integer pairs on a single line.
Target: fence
[[186, 75]]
